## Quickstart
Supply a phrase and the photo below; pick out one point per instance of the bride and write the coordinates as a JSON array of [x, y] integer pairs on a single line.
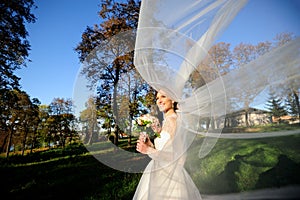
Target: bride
[[169, 49], [172, 181]]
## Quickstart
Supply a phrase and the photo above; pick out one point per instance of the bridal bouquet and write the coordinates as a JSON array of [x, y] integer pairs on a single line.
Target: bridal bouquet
[[147, 124]]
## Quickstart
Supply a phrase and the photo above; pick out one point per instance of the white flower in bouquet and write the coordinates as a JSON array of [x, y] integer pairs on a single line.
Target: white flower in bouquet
[[148, 124]]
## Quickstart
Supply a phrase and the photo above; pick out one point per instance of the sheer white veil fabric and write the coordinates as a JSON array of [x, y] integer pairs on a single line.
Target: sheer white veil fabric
[[173, 38]]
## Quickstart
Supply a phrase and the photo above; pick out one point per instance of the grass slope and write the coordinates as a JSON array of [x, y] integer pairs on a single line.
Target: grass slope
[[73, 173]]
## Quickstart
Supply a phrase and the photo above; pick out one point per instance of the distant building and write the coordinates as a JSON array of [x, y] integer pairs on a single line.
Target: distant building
[[255, 117], [285, 119]]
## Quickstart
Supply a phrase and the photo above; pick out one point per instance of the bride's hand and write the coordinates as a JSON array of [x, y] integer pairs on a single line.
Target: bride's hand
[[143, 144]]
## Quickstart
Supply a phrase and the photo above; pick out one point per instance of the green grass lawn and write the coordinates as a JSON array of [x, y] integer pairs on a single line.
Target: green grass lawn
[[248, 164], [64, 174], [73, 173]]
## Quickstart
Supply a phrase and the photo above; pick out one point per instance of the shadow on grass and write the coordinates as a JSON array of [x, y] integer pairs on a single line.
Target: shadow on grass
[[235, 166], [285, 172], [240, 175]]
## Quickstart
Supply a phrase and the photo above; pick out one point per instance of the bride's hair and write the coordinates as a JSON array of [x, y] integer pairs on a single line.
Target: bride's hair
[[175, 106]]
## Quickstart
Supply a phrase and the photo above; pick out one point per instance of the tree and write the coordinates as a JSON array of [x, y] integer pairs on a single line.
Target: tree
[[293, 105], [61, 111], [291, 87], [242, 55], [276, 107], [219, 61], [89, 118], [35, 122], [220, 57], [104, 107], [103, 55], [135, 98], [43, 127], [28, 120], [18, 117], [13, 39], [9, 117], [283, 38]]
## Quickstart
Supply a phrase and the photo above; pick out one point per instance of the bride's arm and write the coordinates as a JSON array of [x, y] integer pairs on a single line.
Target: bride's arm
[[145, 147], [167, 134], [152, 152], [166, 152]]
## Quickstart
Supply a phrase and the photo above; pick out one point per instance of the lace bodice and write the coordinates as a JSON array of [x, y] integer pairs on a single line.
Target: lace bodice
[[167, 133]]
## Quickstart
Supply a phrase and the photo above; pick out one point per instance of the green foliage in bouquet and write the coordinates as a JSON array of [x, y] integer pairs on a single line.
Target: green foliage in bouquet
[[147, 124]]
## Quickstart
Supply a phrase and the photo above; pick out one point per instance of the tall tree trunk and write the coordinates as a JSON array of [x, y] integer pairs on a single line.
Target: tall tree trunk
[[207, 123], [297, 103], [24, 141], [4, 143], [213, 124], [90, 141], [247, 117], [61, 137], [10, 134], [33, 140], [129, 135], [115, 108], [49, 140]]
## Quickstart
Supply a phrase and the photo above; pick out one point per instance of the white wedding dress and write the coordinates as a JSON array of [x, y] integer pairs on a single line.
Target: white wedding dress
[[162, 179]]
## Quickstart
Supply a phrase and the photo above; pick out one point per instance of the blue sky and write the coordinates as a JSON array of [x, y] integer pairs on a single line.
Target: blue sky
[[60, 23]]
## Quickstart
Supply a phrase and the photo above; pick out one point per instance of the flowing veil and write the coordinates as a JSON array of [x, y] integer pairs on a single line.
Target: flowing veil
[[173, 38], [171, 53]]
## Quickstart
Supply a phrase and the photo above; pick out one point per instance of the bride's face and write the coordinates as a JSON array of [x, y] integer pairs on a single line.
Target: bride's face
[[163, 102]]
